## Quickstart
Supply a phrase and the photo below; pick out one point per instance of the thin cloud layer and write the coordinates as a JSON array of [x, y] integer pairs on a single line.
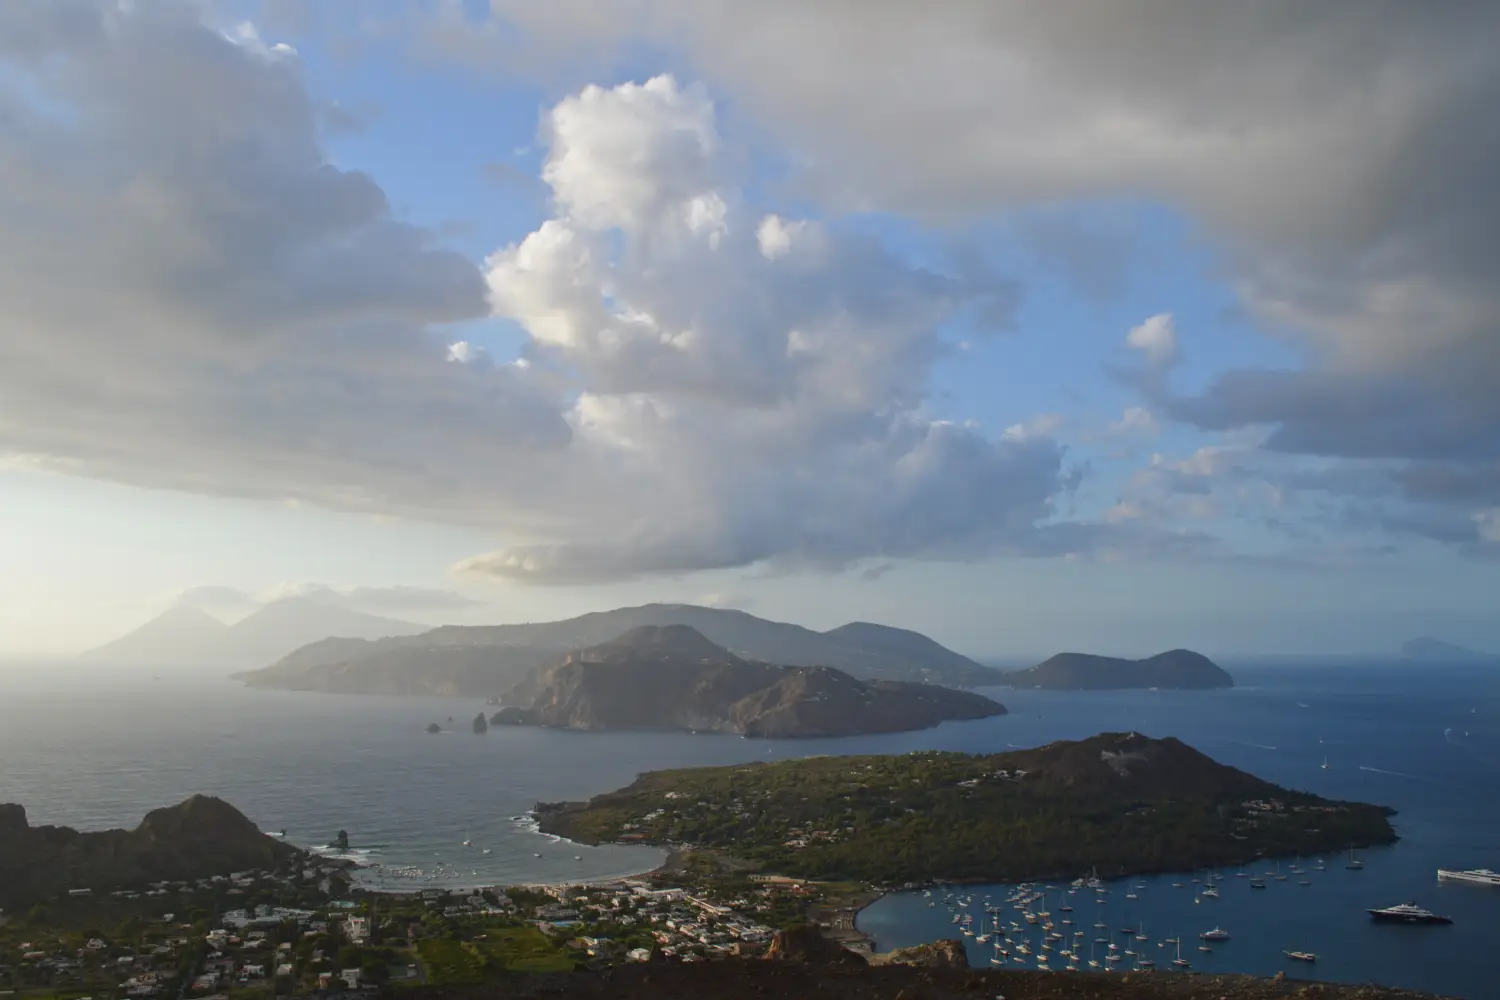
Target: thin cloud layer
[[215, 598]]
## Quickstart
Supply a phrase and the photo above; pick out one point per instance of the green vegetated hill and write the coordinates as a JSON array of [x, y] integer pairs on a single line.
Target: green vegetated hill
[[1176, 668], [487, 660], [197, 838], [673, 677], [1121, 802]]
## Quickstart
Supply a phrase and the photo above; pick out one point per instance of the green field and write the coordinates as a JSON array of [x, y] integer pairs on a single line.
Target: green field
[[450, 963], [524, 949]]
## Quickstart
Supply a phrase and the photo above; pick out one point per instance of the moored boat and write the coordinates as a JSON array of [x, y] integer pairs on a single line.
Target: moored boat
[[1479, 876], [1407, 913]]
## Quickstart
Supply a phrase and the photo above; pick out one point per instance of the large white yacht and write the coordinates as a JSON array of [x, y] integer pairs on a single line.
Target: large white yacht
[[1481, 875]]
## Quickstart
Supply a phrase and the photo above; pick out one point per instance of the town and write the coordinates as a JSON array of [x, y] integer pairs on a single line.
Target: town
[[310, 930]]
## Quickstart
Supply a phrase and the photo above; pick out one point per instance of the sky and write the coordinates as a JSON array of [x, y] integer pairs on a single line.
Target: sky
[[1030, 326]]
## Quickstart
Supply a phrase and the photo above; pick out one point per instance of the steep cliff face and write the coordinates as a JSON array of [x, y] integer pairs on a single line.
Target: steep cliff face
[[671, 677], [1177, 668], [197, 838]]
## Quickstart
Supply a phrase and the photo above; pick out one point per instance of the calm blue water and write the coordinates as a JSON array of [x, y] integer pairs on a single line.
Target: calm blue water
[[94, 748], [1424, 741]]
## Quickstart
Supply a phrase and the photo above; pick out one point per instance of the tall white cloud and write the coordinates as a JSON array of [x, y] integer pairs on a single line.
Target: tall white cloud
[[196, 297], [751, 388]]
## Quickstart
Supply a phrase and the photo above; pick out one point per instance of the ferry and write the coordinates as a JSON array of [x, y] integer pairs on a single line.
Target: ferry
[[1408, 913], [1482, 876]]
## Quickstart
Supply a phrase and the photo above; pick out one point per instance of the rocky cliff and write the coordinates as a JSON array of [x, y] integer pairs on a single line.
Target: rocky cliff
[[672, 677], [1177, 668], [197, 838]]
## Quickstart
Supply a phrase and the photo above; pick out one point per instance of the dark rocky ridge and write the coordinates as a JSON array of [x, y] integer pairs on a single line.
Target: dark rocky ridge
[[1176, 668], [756, 979], [487, 660], [672, 677], [197, 838]]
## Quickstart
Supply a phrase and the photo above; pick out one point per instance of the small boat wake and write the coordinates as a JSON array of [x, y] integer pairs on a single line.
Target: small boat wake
[[1394, 774]]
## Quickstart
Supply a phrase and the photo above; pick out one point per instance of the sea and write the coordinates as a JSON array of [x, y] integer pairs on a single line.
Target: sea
[[95, 747]]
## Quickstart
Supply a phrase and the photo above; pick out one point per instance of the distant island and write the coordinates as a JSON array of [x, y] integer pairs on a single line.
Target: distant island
[[198, 838], [673, 677], [1119, 802], [1177, 668], [184, 635], [1437, 651], [486, 661]]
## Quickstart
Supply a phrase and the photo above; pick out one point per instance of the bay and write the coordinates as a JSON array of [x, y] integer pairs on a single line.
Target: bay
[[96, 747]]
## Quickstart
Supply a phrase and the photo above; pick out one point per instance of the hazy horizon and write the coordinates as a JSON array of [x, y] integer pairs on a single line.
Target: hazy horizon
[[1110, 329]]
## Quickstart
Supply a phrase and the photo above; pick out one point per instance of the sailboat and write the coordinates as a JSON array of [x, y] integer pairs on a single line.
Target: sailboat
[[1354, 863], [1325, 762], [1179, 961]]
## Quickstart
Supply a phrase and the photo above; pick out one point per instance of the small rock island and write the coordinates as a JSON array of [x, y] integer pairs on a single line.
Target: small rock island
[[672, 677], [1176, 668]]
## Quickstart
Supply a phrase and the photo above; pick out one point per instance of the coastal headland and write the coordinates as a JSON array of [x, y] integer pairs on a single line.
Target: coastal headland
[[1117, 803]]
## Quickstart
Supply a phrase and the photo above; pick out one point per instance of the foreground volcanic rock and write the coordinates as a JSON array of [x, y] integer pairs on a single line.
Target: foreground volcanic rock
[[753, 979]]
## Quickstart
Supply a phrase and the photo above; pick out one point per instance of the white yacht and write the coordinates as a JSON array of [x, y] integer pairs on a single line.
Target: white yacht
[[1482, 876]]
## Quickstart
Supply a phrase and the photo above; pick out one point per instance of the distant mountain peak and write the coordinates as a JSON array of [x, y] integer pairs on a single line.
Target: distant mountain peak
[[184, 635], [179, 634], [435, 662], [1427, 648], [679, 640]]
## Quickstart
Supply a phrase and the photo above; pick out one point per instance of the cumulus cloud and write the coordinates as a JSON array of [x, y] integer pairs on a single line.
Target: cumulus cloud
[[1135, 421], [1341, 156], [1156, 339], [197, 297], [752, 386]]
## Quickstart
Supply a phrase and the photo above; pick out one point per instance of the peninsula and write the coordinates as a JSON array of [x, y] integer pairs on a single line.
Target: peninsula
[[672, 677], [1121, 803], [1176, 668], [200, 837]]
